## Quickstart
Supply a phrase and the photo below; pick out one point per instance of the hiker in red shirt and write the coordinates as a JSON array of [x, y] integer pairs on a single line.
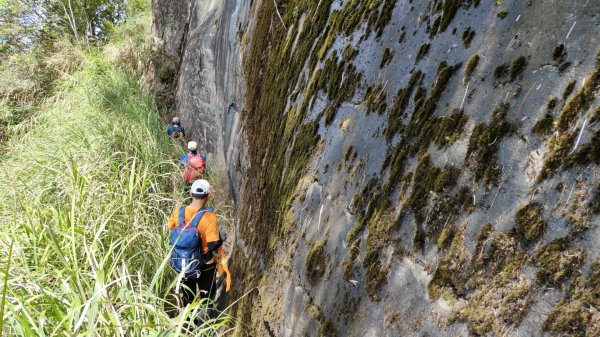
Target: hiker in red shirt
[[193, 163]]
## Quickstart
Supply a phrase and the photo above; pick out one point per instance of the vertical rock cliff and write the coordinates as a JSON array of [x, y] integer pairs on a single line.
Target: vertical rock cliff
[[401, 168], [197, 61]]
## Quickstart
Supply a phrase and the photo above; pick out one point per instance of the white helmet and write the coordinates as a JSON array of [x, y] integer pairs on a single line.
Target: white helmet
[[192, 146], [200, 187]]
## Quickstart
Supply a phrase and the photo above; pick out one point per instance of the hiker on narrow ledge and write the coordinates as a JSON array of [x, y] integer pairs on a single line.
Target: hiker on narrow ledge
[[193, 163], [175, 130], [195, 235]]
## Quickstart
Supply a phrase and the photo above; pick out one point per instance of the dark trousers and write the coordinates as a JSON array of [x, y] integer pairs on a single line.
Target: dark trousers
[[205, 286]]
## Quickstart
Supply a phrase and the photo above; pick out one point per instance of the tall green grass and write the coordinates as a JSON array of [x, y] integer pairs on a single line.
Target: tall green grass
[[85, 195]]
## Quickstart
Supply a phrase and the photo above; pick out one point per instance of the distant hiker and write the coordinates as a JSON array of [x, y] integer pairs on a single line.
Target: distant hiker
[[175, 129], [193, 163], [195, 235]]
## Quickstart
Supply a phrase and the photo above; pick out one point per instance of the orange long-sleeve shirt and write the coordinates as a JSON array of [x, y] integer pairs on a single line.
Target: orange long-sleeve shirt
[[209, 231]]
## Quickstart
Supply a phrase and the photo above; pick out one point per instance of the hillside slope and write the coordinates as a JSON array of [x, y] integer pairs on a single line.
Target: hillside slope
[[88, 182]]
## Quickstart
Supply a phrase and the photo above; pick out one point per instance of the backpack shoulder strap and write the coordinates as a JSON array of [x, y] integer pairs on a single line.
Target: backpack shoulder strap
[[181, 216], [196, 219]]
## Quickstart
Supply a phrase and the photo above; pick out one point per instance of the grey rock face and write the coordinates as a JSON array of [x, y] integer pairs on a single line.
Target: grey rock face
[[199, 38], [499, 283], [169, 25]]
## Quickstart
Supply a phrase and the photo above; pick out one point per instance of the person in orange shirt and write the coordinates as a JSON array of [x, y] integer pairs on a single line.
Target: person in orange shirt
[[205, 284]]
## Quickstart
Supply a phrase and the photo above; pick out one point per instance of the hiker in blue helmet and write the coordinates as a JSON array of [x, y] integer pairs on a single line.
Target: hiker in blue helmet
[[175, 129]]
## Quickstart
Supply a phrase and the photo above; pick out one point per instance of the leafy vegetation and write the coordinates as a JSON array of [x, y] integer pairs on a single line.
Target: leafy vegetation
[[88, 185], [28, 24]]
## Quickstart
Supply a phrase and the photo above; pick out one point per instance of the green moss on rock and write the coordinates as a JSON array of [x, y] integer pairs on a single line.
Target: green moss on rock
[[595, 204], [349, 53], [497, 271], [556, 262], [339, 80], [446, 210], [558, 148], [529, 221], [471, 65], [349, 153], [544, 126], [365, 205], [402, 37], [559, 54], [486, 311], [348, 264], [595, 116], [327, 329], [422, 127], [400, 103], [449, 128], [273, 70], [429, 178], [446, 179], [577, 314], [386, 57], [500, 71], [588, 153], [434, 27], [582, 99], [376, 270], [517, 67], [484, 143], [552, 103], [476, 269], [502, 13], [375, 99], [446, 236], [450, 271], [316, 262], [349, 18], [569, 89], [467, 37], [449, 9], [385, 15], [561, 143], [423, 51]]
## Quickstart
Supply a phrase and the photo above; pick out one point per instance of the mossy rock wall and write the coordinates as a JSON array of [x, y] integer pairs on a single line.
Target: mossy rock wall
[[412, 162]]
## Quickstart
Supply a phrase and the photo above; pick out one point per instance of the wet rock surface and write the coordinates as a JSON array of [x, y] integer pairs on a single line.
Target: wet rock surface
[[417, 185]]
